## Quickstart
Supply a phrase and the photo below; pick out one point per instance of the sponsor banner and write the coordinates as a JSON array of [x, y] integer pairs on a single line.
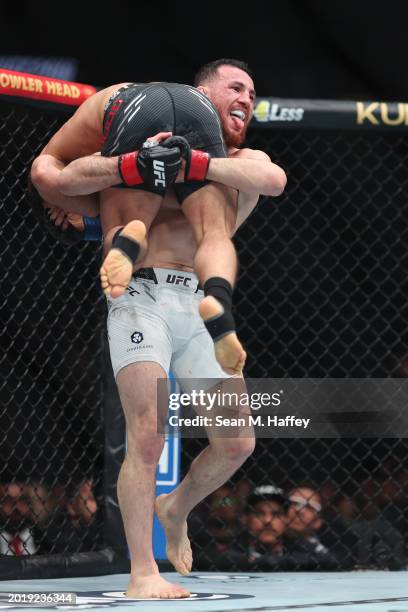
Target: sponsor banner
[[291, 113], [44, 89], [286, 408]]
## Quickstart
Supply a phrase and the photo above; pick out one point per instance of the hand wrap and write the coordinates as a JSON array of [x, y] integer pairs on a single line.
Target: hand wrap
[[197, 162], [153, 165]]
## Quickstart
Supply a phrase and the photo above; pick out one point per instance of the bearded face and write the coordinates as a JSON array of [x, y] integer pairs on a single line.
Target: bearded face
[[232, 92], [234, 136]]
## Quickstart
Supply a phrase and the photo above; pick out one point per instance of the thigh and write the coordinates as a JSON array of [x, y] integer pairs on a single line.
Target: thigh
[[196, 370], [195, 360], [137, 334], [137, 384], [211, 209], [120, 206]]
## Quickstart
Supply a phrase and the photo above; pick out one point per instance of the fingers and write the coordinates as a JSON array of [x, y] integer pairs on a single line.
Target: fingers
[[160, 136], [76, 221], [58, 216], [180, 176]]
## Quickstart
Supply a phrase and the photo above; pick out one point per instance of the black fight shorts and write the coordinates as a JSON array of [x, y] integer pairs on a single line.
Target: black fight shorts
[[137, 112]]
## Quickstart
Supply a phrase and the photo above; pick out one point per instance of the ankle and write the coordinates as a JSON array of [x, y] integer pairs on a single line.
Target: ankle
[[140, 572], [172, 508]]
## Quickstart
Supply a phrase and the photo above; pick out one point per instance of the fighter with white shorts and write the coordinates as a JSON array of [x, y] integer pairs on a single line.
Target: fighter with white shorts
[[157, 320], [155, 326]]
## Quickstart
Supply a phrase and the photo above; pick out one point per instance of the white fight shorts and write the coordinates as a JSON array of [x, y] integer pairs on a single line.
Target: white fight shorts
[[157, 320]]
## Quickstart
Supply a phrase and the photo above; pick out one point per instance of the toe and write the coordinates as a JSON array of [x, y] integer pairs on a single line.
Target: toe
[[117, 291]]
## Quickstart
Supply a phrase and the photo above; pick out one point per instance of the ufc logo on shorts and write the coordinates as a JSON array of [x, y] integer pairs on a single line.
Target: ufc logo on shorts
[[158, 170], [175, 279]]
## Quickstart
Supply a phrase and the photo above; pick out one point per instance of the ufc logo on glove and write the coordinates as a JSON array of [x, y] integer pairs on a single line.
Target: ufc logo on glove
[[158, 169]]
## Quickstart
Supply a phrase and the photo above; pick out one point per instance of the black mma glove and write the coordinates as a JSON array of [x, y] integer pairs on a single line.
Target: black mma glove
[[197, 162], [153, 165]]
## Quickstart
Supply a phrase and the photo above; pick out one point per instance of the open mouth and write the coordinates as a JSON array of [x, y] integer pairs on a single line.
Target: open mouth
[[238, 117]]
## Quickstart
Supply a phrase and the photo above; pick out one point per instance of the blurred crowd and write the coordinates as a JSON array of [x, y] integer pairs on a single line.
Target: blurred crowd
[[269, 528], [37, 519], [239, 527]]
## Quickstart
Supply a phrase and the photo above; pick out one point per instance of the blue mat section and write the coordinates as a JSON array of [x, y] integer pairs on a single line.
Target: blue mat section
[[334, 592]]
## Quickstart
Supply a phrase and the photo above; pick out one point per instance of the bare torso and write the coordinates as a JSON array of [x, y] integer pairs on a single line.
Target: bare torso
[[170, 241]]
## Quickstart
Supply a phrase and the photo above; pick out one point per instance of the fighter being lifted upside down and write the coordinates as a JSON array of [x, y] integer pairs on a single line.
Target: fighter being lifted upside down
[[166, 314], [124, 117]]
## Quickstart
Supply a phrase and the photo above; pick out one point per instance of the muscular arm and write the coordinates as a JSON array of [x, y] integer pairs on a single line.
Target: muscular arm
[[80, 136], [81, 177], [250, 172], [93, 173], [45, 175]]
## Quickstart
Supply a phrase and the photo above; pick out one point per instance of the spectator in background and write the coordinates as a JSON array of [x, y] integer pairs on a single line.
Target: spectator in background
[[304, 523], [42, 501], [265, 542], [266, 522], [16, 521], [359, 532], [242, 491], [394, 506], [328, 493], [304, 514], [379, 544], [258, 545], [223, 522], [222, 528], [82, 507], [71, 526]]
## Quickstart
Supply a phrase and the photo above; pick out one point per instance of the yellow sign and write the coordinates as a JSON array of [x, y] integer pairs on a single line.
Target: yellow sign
[[377, 113]]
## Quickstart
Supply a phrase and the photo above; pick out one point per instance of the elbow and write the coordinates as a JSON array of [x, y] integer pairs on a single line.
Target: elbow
[[39, 175], [278, 183], [48, 179]]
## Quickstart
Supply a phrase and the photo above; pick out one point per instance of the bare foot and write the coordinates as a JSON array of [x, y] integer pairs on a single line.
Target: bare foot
[[178, 549], [154, 587], [116, 270], [228, 350]]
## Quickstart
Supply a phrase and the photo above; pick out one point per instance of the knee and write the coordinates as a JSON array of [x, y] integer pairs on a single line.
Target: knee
[[145, 450], [150, 454], [237, 450], [144, 444]]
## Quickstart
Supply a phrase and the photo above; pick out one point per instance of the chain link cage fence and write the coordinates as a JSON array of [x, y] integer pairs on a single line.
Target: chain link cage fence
[[52, 359], [321, 294]]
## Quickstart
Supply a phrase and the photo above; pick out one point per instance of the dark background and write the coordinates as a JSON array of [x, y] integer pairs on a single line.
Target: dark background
[[300, 48], [326, 268]]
